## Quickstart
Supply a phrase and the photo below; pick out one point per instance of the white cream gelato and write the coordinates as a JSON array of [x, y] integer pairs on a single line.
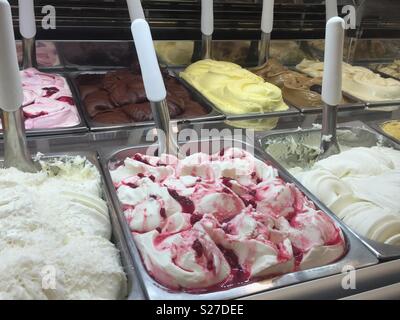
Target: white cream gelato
[[361, 186], [360, 82], [54, 235]]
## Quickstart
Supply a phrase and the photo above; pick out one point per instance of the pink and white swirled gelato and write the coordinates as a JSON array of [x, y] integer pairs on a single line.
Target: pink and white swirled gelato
[[213, 222], [46, 54], [48, 101]]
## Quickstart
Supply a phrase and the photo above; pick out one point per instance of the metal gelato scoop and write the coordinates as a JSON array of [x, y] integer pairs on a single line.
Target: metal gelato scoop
[[154, 86], [267, 21], [27, 28], [331, 86], [16, 153]]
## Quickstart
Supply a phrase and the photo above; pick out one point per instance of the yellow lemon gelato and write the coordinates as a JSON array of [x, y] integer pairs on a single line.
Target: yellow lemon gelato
[[232, 89], [392, 128]]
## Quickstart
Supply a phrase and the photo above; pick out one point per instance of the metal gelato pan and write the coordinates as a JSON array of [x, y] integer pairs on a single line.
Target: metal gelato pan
[[80, 128], [229, 116], [357, 255], [362, 136], [377, 125], [210, 114], [134, 291]]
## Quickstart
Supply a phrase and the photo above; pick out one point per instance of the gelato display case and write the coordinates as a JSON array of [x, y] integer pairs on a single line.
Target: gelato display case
[[254, 213]]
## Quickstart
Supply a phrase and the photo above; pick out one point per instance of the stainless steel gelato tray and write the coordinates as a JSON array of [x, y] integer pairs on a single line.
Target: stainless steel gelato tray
[[210, 114], [353, 103], [100, 55], [80, 128], [389, 104], [48, 56], [377, 125], [229, 116], [133, 289], [360, 136], [376, 66], [342, 107], [361, 103], [356, 254]]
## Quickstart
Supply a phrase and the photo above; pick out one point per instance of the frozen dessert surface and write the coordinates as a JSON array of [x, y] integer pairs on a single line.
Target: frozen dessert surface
[[206, 223], [97, 53], [232, 51], [260, 124], [297, 88], [372, 49], [360, 82], [175, 53], [48, 101], [119, 97], [302, 149], [359, 184], [232, 89], [46, 54], [392, 69], [55, 230], [392, 128], [182, 53], [286, 52]]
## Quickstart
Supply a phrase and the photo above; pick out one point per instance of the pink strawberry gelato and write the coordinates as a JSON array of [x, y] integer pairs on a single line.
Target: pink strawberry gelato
[[207, 223], [46, 54], [48, 101]]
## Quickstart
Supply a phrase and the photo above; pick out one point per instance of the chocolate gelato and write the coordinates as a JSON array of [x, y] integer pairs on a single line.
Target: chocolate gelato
[[119, 97], [97, 54], [298, 89]]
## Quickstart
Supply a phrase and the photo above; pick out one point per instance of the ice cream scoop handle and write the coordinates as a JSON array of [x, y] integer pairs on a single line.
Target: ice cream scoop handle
[[332, 76], [135, 9], [267, 19], [27, 28], [152, 78], [27, 23], [207, 17], [154, 85], [331, 9], [11, 95]]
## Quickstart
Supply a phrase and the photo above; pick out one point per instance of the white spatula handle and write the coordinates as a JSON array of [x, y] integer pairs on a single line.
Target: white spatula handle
[[331, 9], [135, 9], [267, 19], [332, 77], [207, 17], [11, 95], [27, 24], [152, 78]]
